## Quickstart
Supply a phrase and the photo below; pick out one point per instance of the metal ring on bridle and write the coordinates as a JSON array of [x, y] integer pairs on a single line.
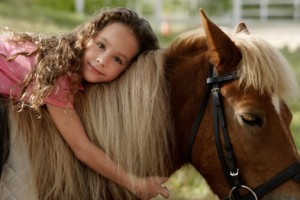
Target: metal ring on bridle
[[245, 187]]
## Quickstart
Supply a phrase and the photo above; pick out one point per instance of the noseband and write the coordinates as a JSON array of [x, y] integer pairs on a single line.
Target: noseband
[[227, 159]]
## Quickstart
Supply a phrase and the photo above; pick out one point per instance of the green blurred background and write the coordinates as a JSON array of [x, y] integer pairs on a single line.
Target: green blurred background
[[56, 16]]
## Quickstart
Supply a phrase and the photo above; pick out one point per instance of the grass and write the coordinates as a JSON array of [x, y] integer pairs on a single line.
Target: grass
[[294, 60], [27, 17], [184, 184]]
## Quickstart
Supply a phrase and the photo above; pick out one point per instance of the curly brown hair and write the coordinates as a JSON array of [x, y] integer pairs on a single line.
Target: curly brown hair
[[61, 55]]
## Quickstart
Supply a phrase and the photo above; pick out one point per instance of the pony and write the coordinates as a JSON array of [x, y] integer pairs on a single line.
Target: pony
[[214, 99]]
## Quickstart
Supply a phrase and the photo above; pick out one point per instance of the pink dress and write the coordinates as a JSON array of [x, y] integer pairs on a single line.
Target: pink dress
[[13, 73]]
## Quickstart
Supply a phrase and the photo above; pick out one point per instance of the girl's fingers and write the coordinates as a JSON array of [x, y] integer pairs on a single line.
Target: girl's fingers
[[164, 192]]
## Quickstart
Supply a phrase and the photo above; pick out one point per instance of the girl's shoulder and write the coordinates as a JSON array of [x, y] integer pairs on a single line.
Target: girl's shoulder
[[9, 47]]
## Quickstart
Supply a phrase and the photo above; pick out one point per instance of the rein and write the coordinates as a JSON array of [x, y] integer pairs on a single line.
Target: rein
[[227, 161]]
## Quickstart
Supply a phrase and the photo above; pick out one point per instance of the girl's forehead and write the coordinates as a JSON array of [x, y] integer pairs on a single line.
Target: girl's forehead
[[116, 31]]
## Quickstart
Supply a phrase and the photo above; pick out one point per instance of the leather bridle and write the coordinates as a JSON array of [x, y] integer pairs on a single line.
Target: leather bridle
[[227, 159]]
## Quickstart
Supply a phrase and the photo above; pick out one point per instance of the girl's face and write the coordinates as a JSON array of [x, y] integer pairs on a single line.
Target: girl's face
[[109, 53]]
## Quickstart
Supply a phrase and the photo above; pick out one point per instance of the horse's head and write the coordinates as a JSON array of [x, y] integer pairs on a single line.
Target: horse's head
[[246, 112]]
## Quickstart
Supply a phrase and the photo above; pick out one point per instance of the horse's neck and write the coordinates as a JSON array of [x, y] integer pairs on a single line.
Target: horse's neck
[[187, 86]]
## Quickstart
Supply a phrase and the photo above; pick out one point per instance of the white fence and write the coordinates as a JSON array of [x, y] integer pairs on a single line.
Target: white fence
[[265, 10]]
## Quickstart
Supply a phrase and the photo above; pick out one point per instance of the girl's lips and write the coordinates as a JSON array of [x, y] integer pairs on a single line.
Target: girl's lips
[[95, 70]]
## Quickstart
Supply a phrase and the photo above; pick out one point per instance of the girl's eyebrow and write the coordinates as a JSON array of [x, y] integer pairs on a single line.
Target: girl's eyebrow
[[123, 56]]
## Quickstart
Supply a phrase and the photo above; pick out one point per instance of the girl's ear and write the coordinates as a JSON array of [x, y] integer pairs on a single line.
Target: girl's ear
[[223, 53]]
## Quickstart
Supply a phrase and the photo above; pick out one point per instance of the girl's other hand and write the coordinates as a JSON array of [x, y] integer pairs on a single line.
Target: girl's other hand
[[150, 187]]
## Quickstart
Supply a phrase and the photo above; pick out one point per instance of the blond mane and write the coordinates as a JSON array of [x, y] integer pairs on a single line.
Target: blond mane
[[132, 122], [128, 118]]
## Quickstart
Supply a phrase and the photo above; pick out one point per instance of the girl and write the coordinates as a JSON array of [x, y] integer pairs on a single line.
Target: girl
[[36, 70]]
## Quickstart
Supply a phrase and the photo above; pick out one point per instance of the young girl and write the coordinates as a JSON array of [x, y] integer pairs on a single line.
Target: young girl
[[36, 70]]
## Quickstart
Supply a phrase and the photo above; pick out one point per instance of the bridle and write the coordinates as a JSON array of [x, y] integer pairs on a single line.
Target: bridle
[[227, 159]]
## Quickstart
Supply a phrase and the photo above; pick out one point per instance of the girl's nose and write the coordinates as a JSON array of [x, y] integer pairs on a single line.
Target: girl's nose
[[102, 60]]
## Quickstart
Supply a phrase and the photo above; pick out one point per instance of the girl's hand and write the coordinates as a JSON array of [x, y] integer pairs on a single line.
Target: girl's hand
[[150, 187]]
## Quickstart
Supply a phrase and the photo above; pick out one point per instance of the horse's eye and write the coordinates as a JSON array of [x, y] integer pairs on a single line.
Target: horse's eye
[[251, 120]]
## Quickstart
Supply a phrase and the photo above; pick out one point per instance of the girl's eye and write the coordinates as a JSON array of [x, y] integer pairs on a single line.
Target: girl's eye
[[118, 60], [101, 46]]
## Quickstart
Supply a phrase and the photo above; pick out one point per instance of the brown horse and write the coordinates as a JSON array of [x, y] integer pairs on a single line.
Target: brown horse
[[148, 122]]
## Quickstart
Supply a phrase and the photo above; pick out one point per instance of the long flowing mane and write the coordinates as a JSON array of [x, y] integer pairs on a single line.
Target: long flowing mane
[[133, 124], [128, 118]]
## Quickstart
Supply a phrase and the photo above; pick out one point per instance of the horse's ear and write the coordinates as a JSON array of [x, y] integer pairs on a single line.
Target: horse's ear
[[222, 51], [241, 28]]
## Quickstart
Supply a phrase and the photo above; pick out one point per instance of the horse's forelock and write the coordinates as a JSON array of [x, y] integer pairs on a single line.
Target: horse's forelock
[[263, 67]]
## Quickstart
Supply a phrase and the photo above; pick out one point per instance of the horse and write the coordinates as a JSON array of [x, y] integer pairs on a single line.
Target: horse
[[215, 98]]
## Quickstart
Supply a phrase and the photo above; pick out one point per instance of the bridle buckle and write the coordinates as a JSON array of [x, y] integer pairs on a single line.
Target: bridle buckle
[[242, 186], [236, 173]]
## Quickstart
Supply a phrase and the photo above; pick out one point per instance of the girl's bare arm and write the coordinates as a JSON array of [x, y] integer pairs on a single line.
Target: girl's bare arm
[[71, 129]]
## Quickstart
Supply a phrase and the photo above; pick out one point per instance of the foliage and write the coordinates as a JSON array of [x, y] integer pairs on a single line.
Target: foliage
[[94, 5], [90, 6], [147, 8], [215, 7], [35, 18], [212, 7], [294, 61], [67, 5]]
